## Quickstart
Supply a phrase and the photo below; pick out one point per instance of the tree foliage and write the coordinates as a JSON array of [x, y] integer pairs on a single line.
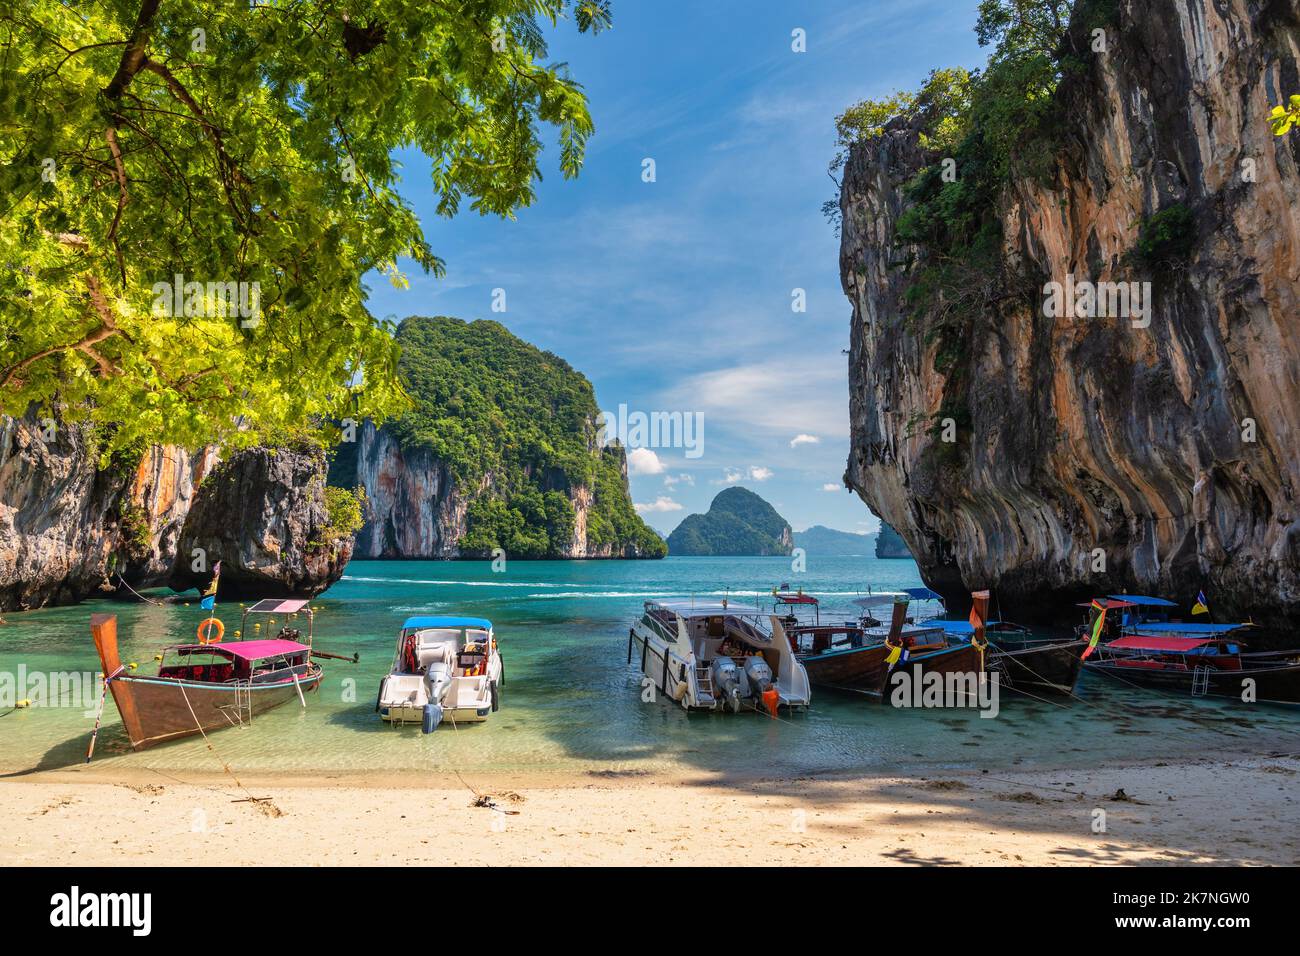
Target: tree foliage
[[247, 143]]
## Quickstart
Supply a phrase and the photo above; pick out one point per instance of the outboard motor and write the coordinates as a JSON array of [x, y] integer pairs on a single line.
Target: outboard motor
[[437, 681], [759, 676], [726, 681]]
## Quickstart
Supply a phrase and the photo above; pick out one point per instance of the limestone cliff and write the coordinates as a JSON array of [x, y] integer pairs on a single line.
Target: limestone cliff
[[72, 527], [265, 516], [1089, 455], [500, 450], [890, 544]]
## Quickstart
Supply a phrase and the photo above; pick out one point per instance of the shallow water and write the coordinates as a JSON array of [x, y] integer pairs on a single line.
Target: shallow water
[[572, 703]]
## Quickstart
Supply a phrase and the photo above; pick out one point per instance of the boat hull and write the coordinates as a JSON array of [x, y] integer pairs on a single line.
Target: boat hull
[[1274, 685], [166, 709], [1038, 667], [864, 670]]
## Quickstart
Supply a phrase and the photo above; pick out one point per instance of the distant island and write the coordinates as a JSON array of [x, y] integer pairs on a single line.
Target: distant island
[[498, 451], [738, 523], [890, 544], [821, 540]]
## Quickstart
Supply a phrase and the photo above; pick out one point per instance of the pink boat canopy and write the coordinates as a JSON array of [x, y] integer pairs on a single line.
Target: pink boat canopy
[[248, 650], [278, 606], [1144, 643]]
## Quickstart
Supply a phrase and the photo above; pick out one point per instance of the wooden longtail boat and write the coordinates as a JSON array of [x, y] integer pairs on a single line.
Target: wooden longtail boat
[[1201, 667], [851, 658], [200, 688]]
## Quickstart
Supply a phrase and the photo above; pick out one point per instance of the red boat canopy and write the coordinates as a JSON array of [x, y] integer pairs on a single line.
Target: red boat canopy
[[248, 650], [786, 597], [1140, 642]]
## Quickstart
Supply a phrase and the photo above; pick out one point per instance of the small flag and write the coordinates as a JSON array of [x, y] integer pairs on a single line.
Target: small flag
[[1201, 606], [210, 595], [1098, 621]]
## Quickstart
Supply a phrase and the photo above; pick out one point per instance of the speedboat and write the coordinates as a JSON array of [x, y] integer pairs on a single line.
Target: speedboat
[[445, 667], [718, 657]]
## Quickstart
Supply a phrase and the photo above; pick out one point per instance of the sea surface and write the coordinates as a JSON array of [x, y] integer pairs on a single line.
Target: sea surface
[[572, 702]]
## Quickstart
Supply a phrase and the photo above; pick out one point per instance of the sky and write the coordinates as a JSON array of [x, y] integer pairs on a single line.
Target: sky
[[678, 295]]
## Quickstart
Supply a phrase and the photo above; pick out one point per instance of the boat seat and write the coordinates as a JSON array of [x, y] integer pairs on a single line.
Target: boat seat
[[431, 654]]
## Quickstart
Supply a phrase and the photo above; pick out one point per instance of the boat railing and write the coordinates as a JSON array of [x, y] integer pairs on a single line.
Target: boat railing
[[661, 628]]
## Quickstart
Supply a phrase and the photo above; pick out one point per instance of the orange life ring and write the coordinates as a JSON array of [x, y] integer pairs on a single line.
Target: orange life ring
[[205, 629]]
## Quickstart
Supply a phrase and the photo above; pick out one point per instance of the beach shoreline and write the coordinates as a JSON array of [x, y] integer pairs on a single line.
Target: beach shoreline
[[1154, 813]]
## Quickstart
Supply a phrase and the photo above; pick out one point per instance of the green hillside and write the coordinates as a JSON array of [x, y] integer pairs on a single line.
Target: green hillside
[[738, 522]]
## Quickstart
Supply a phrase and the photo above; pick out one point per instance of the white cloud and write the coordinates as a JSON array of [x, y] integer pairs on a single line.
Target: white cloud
[[660, 504], [643, 461], [671, 481], [802, 439], [754, 473], [790, 396], [832, 486]]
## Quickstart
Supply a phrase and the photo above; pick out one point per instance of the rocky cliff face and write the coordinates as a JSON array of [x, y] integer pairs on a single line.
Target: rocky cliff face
[[264, 515], [890, 544], [70, 529], [1092, 455], [414, 508]]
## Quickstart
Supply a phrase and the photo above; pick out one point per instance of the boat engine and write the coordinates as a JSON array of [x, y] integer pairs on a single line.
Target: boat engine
[[726, 681], [759, 676], [437, 679]]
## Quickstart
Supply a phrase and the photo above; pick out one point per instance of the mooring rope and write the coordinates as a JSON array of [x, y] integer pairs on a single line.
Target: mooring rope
[[147, 600]]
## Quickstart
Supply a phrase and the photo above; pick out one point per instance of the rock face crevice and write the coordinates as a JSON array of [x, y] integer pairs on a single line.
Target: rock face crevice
[[1094, 456]]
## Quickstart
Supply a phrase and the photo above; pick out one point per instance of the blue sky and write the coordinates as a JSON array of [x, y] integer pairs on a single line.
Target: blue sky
[[676, 295]]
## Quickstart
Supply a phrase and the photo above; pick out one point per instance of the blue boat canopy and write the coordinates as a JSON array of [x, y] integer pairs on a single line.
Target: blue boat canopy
[[1168, 627], [1143, 601], [923, 594], [477, 623], [959, 628]]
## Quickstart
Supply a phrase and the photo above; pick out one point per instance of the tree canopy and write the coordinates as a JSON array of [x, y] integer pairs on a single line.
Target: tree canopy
[[191, 194]]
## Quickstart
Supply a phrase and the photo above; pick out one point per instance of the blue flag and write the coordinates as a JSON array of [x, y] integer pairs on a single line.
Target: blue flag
[[209, 602]]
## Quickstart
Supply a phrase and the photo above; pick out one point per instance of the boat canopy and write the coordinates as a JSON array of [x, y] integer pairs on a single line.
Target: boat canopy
[[690, 609], [789, 597], [1189, 629], [961, 628], [475, 623], [877, 600], [247, 650], [1142, 601], [923, 594], [278, 606], [1147, 642]]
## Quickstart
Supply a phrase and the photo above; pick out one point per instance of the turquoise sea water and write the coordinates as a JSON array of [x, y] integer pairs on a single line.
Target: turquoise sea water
[[572, 702]]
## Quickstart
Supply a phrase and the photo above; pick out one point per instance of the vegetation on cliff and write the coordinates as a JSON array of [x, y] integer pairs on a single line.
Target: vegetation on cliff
[[738, 522], [516, 428], [191, 200]]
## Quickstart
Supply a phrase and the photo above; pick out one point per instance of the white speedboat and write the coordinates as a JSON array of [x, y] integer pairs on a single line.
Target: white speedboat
[[446, 667], [718, 656]]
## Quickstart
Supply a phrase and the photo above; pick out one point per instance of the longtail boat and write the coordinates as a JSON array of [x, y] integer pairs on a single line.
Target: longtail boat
[[1209, 664], [1022, 660], [200, 688], [859, 659]]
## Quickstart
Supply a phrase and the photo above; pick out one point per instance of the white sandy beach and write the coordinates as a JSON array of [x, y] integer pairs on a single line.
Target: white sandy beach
[[1239, 812]]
